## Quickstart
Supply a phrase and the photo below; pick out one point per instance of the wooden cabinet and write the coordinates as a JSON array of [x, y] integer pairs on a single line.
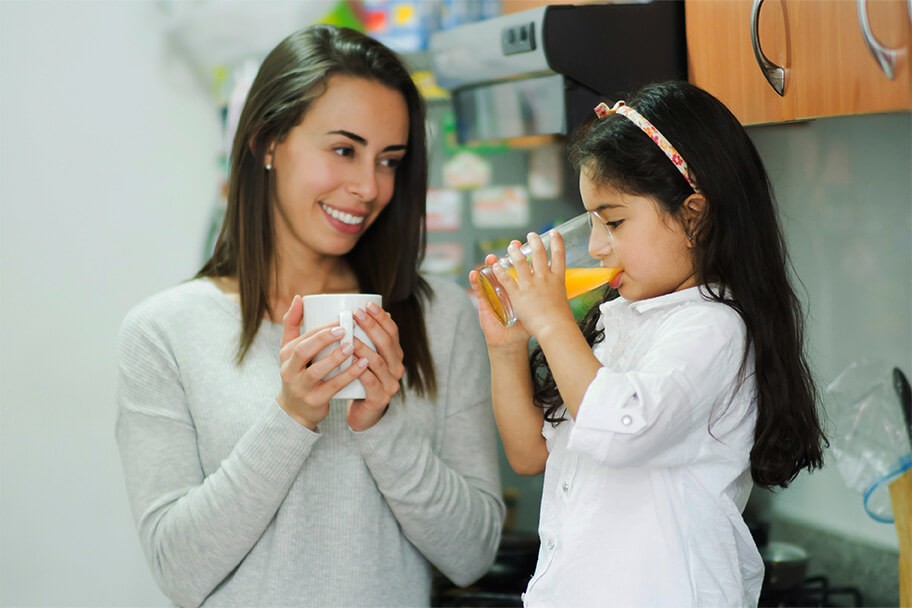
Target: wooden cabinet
[[827, 65]]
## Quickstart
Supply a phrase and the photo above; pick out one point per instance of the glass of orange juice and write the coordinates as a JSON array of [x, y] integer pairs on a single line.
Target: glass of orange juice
[[583, 272]]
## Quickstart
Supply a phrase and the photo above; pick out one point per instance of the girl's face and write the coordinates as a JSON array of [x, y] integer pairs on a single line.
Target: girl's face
[[335, 171], [650, 246]]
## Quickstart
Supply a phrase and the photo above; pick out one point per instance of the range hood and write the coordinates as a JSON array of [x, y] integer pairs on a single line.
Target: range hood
[[540, 72]]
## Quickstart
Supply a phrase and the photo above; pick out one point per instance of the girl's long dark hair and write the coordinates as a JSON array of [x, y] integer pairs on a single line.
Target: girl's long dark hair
[[738, 244], [291, 77]]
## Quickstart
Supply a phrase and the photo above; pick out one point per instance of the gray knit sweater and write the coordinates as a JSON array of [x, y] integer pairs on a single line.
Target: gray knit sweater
[[239, 505]]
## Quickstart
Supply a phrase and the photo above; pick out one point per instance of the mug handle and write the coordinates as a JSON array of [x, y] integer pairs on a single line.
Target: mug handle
[[347, 324]]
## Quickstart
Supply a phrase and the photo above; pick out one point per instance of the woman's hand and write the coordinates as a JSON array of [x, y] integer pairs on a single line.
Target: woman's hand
[[384, 367], [304, 395], [498, 338], [539, 293]]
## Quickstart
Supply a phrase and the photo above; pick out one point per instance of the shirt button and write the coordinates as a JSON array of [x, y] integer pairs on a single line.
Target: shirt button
[[566, 486], [550, 543], [626, 420]]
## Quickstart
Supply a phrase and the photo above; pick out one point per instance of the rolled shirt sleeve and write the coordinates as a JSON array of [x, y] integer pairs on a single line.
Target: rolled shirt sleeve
[[629, 417]]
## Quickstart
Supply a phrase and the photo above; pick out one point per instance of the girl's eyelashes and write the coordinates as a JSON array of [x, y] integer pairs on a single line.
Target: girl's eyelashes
[[344, 151], [613, 225], [391, 163]]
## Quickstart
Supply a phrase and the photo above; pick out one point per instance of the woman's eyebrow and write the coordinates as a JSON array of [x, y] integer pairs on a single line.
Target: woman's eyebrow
[[360, 140]]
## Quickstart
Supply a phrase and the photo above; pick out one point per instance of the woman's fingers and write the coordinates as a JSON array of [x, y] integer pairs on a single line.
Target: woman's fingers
[[298, 353], [327, 389], [384, 333], [291, 322], [387, 377]]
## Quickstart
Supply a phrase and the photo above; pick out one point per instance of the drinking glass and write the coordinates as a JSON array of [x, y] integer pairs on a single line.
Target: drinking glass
[[583, 272]]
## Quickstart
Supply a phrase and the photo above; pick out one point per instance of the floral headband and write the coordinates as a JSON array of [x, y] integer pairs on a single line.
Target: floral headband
[[602, 110]]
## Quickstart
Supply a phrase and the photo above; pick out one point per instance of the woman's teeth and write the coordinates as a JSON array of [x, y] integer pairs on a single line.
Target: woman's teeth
[[345, 218]]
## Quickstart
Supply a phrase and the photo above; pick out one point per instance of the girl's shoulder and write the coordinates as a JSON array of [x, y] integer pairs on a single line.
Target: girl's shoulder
[[717, 317], [688, 307]]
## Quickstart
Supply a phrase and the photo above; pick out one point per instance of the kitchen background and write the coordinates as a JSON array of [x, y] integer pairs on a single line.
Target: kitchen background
[[110, 172]]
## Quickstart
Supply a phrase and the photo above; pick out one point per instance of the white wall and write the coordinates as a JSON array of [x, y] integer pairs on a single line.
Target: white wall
[[845, 195], [108, 173], [107, 178]]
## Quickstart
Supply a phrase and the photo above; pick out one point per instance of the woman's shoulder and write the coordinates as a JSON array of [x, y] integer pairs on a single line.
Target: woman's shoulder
[[182, 303], [447, 298]]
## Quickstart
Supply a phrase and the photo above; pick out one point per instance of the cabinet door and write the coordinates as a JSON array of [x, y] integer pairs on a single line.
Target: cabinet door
[[834, 71], [720, 56]]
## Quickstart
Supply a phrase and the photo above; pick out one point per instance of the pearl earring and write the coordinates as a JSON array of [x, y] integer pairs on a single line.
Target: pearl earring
[[269, 166]]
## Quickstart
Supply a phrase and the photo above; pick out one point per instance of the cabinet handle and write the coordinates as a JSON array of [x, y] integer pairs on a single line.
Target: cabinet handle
[[885, 56], [774, 74]]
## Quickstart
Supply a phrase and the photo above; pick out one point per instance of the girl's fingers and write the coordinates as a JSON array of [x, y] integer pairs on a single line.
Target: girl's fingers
[[520, 266], [537, 253], [558, 259], [291, 322]]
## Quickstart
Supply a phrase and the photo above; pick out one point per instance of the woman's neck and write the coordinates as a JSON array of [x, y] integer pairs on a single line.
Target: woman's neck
[[306, 275]]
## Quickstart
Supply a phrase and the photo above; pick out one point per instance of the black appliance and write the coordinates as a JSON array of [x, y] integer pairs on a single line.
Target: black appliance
[[540, 72]]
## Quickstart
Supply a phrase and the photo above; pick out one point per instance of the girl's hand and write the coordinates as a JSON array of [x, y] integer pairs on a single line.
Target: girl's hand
[[304, 395], [538, 294], [497, 337], [383, 368]]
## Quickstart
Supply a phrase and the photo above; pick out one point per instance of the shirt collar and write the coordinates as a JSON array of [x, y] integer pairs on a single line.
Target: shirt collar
[[691, 294]]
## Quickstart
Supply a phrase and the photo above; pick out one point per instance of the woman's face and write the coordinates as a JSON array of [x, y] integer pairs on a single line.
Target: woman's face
[[335, 170], [650, 246]]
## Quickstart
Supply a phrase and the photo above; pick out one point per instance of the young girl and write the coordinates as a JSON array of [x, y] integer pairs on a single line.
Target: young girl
[[652, 417], [248, 486]]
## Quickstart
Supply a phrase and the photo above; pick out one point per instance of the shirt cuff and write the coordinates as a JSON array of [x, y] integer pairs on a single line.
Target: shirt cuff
[[611, 403]]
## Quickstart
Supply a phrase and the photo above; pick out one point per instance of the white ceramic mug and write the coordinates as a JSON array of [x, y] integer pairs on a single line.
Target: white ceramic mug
[[339, 308]]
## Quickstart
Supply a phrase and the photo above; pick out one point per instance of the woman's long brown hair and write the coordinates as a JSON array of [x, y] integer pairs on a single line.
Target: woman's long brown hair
[[386, 258]]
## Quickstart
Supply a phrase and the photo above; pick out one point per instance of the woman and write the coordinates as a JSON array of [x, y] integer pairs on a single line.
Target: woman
[[249, 487]]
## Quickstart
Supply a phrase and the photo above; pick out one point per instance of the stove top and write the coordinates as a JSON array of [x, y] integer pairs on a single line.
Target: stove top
[[814, 591]]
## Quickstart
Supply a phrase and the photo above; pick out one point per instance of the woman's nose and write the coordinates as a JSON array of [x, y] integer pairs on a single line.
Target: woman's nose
[[363, 182]]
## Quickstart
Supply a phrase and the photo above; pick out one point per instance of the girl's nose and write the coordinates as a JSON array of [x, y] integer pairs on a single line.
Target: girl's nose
[[601, 241]]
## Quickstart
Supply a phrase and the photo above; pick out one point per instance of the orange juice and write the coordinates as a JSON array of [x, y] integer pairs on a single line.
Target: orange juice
[[582, 280], [577, 281]]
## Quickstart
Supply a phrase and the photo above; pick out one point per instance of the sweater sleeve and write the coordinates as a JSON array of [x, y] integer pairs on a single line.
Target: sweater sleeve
[[194, 529], [447, 501]]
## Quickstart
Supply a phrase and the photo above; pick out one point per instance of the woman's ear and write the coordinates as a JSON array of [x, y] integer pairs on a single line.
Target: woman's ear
[[694, 211], [268, 157]]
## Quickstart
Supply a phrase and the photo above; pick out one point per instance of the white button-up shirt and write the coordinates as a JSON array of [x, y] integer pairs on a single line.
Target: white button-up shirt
[[643, 492]]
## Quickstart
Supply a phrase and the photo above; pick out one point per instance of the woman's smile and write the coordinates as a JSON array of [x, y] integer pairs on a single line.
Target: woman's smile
[[344, 221]]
